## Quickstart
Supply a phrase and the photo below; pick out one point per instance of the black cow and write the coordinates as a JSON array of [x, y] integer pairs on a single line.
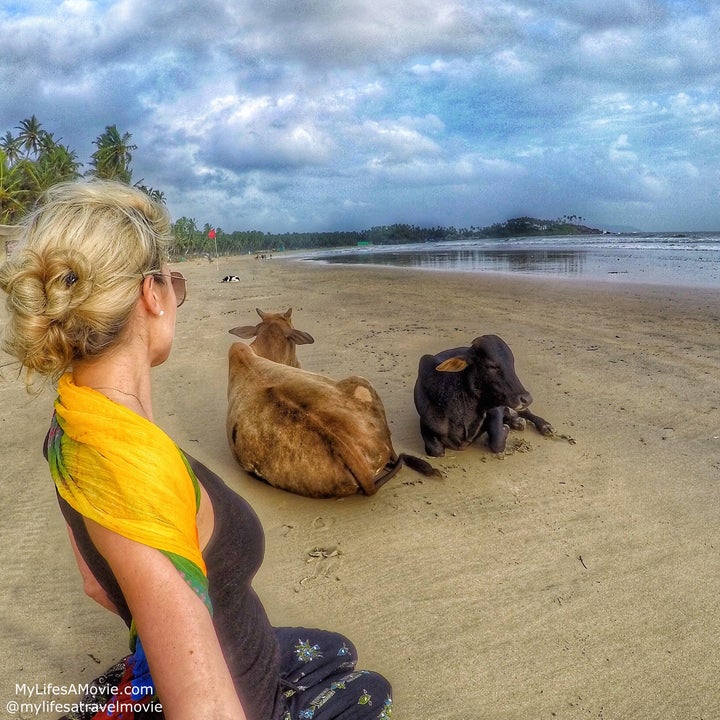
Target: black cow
[[463, 392]]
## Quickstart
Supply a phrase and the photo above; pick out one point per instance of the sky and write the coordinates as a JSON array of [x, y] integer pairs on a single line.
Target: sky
[[321, 115]]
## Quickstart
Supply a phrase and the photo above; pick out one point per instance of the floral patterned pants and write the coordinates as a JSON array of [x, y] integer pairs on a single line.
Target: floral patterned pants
[[320, 681]]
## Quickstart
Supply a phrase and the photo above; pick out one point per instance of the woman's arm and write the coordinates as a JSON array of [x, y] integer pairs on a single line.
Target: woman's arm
[[93, 589], [187, 665]]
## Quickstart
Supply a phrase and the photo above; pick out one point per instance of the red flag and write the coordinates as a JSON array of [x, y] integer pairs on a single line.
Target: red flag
[[211, 234]]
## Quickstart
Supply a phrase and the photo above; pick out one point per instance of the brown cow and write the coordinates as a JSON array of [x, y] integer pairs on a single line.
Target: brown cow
[[306, 433], [275, 337]]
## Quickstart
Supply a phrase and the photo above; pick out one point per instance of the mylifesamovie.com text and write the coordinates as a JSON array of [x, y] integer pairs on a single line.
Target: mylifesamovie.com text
[[53, 690]]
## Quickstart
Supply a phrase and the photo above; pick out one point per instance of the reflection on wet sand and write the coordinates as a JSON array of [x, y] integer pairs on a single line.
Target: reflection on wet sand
[[552, 262]]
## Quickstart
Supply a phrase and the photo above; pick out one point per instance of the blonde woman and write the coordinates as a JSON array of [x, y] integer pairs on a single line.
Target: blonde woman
[[158, 538]]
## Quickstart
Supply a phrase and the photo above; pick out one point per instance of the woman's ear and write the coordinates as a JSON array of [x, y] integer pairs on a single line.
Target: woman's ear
[[151, 296]]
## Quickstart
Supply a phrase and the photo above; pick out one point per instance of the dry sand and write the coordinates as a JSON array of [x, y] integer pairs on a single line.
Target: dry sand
[[565, 580]]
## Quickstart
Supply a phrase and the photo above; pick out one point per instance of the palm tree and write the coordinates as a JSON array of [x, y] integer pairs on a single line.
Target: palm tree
[[186, 235], [34, 160], [57, 163], [10, 145], [111, 160], [12, 204], [30, 136], [156, 195], [47, 141]]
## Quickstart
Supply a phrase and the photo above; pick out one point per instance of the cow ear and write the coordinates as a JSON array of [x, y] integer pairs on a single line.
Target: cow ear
[[454, 364], [299, 337], [246, 331]]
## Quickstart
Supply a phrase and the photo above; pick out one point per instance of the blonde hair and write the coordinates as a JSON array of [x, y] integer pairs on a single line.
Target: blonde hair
[[75, 277]]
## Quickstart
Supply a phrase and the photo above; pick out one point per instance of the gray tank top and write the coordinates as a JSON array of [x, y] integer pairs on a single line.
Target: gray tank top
[[233, 556]]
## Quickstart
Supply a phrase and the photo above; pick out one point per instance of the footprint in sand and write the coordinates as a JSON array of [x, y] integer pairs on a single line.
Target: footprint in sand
[[324, 559], [325, 563]]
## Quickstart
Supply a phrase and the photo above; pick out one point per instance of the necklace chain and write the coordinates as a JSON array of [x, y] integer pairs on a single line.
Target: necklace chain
[[123, 392]]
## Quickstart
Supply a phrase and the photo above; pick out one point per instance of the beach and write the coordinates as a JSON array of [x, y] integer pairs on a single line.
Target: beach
[[575, 577]]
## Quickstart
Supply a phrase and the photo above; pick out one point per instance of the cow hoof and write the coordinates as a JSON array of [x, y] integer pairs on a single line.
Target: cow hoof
[[497, 444], [434, 448], [547, 429]]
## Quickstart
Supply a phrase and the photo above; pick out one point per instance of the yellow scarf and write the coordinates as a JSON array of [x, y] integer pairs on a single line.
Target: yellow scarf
[[120, 470]]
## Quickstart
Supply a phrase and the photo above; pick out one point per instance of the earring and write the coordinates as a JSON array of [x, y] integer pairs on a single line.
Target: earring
[[162, 312]]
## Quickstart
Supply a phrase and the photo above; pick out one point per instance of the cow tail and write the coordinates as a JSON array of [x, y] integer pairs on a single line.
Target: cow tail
[[414, 463], [388, 472], [420, 466]]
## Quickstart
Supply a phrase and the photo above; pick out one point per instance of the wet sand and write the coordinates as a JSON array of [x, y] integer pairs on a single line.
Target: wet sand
[[576, 577]]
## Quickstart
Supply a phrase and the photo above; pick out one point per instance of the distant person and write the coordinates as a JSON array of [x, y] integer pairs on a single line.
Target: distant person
[[159, 539]]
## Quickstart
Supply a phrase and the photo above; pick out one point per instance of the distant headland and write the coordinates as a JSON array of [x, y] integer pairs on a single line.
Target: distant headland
[[528, 226]]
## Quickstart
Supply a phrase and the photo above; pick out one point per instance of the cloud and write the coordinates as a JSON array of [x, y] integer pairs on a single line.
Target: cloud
[[297, 116]]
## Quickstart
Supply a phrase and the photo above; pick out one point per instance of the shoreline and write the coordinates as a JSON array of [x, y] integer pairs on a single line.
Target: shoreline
[[529, 284], [552, 258], [616, 282], [564, 580]]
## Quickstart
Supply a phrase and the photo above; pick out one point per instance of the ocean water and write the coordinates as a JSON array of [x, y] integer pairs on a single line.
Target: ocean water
[[681, 259]]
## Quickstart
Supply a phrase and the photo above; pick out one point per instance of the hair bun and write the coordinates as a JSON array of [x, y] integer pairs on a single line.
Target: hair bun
[[68, 282], [74, 281], [46, 292]]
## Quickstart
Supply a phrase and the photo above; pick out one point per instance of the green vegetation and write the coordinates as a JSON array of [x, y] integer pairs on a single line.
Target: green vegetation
[[32, 160], [527, 226], [194, 241]]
